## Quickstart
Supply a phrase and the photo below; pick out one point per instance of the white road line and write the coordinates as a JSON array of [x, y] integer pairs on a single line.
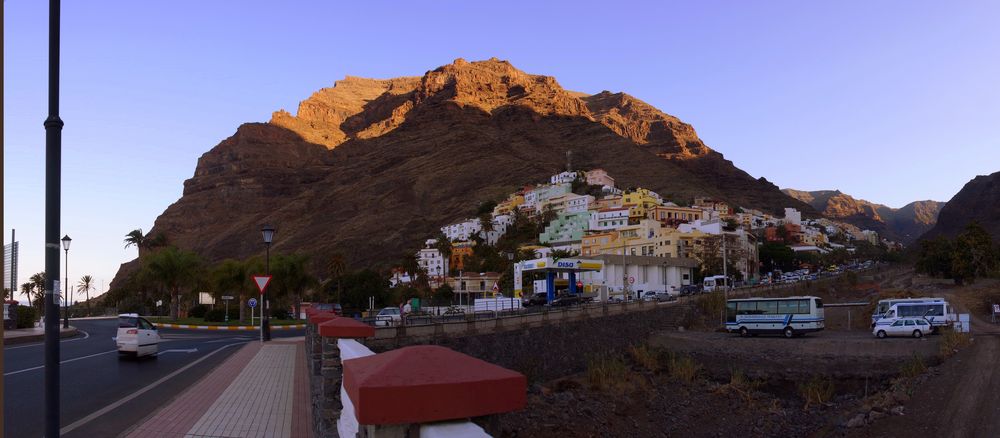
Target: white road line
[[60, 363], [135, 394], [85, 336]]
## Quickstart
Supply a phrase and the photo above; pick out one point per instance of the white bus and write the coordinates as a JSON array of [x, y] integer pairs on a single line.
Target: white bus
[[936, 311], [790, 316], [715, 282], [884, 305]]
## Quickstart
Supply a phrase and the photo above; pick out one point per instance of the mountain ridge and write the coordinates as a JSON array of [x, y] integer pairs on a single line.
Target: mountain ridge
[[905, 224], [979, 201]]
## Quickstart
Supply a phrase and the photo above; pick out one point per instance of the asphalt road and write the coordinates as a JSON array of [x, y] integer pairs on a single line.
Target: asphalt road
[[96, 382]]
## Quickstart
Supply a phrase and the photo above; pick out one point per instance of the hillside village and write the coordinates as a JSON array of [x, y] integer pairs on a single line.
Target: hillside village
[[585, 214]]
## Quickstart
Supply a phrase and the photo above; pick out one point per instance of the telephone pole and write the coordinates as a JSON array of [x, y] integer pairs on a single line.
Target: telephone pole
[[53, 203]]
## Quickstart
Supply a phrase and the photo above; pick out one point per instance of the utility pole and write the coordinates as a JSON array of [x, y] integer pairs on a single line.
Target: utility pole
[[53, 200], [725, 263]]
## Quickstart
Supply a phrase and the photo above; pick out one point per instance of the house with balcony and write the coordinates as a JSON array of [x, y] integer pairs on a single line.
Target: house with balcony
[[599, 177], [608, 219], [566, 228]]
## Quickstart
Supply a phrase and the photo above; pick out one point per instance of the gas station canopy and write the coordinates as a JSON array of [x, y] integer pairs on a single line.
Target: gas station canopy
[[562, 265]]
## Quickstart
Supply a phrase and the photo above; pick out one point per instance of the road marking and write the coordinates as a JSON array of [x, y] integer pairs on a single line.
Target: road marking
[[60, 363], [238, 338], [189, 350], [85, 336], [135, 394]]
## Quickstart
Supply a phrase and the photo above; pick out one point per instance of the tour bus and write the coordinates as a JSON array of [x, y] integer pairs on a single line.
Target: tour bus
[[790, 316], [715, 282], [935, 311], [884, 305]]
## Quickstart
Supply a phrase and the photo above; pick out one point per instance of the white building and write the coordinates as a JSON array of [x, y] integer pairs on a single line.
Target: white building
[[431, 260], [712, 226], [641, 273], [464, 230], [793, 216], [608, 219], [565, 177]]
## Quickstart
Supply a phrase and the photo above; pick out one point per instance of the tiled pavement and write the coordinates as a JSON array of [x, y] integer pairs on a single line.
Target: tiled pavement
[[260, 391]]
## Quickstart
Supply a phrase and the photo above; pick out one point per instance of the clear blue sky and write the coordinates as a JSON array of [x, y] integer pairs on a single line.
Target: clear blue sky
[[890, 101]]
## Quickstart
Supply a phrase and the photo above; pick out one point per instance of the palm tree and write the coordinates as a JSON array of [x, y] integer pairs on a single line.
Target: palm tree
[[233, 275], [28, 290], [175, 270], [38, 283], [85, 285], [135, 237], [336, 267], [290, 278]]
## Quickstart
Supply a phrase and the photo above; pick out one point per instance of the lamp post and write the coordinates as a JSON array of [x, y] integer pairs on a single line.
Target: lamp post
[[265, 321], [65, 241]]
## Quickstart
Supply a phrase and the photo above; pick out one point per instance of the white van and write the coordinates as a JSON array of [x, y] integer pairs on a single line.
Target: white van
[[936, 311], [136, 336], [713, 283]]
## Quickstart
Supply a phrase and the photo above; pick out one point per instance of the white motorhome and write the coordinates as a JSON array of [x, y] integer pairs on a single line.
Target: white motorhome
[[713, 283], [937, 311], [884, 305]]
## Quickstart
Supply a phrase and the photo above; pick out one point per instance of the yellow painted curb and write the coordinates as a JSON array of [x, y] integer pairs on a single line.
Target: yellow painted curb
[[227, 327]]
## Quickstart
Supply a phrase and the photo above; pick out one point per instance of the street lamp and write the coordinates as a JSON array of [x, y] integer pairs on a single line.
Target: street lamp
[[65, 241], [265, 322]]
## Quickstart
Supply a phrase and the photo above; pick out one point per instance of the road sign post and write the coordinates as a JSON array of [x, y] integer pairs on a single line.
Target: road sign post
[[253, 304], [227, 298], [262, 281]]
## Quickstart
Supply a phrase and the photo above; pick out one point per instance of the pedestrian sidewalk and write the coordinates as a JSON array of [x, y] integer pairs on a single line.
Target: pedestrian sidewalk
[[260, 391], [37, 334]]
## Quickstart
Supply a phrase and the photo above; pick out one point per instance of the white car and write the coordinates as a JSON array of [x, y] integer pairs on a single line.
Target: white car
[[388, 316], [915, 327], [136, 336]]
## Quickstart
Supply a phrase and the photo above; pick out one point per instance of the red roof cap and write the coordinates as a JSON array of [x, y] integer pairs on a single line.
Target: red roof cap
[[318, 317], [341, 327], [429, 383]]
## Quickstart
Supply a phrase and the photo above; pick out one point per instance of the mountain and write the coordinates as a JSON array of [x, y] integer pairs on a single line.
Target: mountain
[[904, 224], [369, 168], [979, 200]]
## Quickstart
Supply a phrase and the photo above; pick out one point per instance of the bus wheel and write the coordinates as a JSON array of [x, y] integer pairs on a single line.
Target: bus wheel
[[917, 334], [744, 332], [789, 332]]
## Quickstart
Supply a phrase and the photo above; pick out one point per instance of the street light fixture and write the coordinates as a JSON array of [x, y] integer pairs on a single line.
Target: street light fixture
[[265, 323], [65, 242]]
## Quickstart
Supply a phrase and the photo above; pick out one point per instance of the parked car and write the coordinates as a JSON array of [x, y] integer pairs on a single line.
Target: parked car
[[388, 316], [136, 336], [690, 289], [908, 326], [649, 295], [329, 307], [565, 300], [536, 299], [665, 296], [616, 299]]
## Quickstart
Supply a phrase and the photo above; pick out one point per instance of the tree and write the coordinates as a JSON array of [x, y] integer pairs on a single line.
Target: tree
[[290, 278], [336, 267], [85, 285], [233, 276], [175, 270], [973, 254], [563, 253], [360, 285], [38, 288], [136, 238], [935, 257], [444, 295], [775, 255], [28, 289]]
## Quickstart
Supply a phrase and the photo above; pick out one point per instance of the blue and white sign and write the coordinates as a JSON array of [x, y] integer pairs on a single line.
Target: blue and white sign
[[252, 303]]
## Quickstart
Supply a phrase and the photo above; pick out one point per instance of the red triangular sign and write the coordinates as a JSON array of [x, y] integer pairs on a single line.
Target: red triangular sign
[[262, 281], [496, 287]]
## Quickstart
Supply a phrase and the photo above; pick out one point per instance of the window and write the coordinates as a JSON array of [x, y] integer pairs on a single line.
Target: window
[[910, 322], [785, 307], [730, 312], [921, 322], [767, 307], [746, 308], [897, 324], [127, 322]]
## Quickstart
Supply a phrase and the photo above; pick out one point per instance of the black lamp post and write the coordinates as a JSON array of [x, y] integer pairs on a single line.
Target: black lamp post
[[65, 241], [265, 324]]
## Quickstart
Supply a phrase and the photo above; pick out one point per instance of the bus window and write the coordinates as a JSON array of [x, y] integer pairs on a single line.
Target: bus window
[[788, 306], [804, 307], [746, 308], [731, 312], [767, 307], [819, 303]]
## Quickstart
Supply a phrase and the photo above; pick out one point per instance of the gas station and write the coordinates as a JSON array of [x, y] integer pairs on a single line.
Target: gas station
[[553, 268]]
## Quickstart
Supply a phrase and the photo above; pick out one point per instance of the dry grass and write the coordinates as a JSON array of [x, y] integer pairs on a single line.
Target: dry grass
[[952, 341], [913, 367], [645, 356], [741, 385], [684, 368], [816, 391], [607, 372], [710, 307]]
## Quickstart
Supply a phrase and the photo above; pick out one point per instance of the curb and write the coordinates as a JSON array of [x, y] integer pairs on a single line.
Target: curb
[[227, 327], [72, 331]]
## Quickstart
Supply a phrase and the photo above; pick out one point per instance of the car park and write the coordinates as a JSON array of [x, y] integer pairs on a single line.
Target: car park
[[136, 336], [915, 327]]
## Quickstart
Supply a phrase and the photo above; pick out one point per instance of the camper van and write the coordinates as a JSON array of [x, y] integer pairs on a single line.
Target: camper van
[[714, 283]]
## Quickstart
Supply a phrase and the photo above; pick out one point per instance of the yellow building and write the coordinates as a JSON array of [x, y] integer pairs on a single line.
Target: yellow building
[[671, 213], [459, 251], [594, 244], [608, 203], [508, 205], [639, 201]]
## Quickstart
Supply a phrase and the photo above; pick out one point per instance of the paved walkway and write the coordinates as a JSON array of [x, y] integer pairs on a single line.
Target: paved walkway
[[37, 334], [260, 391]]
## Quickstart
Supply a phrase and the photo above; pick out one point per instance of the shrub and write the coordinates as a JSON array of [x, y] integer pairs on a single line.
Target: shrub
[[913, 367], [26, 316], [741, 385], [711, 306], [952, 341], [817, 390], [606, 372], [684, 368], [280, 314], [215, 315], [645, 356], [198, 311]]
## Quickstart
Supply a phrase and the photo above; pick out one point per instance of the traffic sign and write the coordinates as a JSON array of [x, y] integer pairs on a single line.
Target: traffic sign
[[631, 280], [262, 281], [252, 302], [496, 287], [227, 297]]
